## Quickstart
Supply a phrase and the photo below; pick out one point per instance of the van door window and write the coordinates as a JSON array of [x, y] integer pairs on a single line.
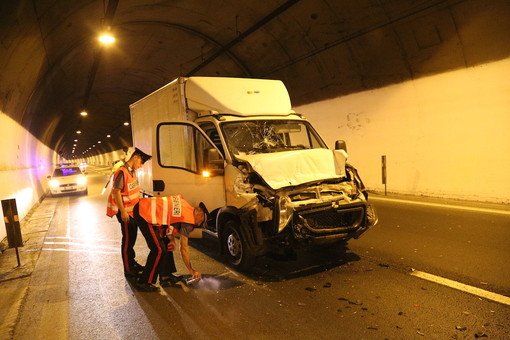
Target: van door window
[[182, 145], [213, 134]]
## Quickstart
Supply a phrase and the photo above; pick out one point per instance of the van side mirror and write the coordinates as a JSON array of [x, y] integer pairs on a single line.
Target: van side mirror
[[214, 161], [340, 145]]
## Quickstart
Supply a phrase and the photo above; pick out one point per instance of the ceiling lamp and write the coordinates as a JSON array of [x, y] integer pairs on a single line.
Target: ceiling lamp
[[106, 37]]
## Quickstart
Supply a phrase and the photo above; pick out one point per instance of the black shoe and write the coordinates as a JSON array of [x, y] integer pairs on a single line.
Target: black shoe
[[168, 281], [138, 268], [131, 275], [146, 287]]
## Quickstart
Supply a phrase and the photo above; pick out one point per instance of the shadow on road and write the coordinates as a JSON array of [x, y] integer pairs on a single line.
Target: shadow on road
[[273, 268]]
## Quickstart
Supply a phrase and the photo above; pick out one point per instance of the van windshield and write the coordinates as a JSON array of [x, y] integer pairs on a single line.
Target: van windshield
[[264, 136]]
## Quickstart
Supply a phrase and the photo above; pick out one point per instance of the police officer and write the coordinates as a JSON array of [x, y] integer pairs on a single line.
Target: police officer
[[123, 197], [160, 219]]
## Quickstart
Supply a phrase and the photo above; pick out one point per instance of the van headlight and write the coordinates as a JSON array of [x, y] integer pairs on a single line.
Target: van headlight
[[81, 180], [286, 212], [54, 183]]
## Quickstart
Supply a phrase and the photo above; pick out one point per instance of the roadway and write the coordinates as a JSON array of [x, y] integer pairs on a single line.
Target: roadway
[[368, 290]]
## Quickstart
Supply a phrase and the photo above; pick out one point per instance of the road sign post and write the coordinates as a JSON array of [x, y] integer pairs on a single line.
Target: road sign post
[[12, 225]]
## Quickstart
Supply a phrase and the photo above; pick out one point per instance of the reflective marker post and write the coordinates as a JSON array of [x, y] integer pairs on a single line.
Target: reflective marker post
[[383, 165], [12, 225]]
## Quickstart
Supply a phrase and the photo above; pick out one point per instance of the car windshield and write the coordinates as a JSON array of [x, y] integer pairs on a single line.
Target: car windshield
[[265, 136], [60, 172]]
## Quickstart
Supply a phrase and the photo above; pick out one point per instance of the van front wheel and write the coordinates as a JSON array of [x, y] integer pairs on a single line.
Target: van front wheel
[[236, 249]]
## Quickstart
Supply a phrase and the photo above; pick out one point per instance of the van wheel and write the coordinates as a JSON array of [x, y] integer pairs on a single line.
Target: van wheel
[[236, 249]]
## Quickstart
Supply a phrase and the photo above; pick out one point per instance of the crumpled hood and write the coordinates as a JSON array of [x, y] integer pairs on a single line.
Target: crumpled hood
[[291, 168]]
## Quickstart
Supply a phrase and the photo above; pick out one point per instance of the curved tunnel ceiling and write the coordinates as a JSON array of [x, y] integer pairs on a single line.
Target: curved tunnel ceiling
[[319, 48]]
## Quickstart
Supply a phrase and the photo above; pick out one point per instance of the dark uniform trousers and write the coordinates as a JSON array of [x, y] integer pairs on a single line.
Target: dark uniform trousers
[[129, 233], [160, 261]]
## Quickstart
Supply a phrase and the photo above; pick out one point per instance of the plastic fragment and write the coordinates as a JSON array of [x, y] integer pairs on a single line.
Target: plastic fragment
[[420, 333], [481, 335], [357, 302], [383, 265], [460, 328], [327, 285], [301, 304], [310, 289]]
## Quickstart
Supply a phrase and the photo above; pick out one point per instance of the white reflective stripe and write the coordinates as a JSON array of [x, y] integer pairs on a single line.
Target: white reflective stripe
[[153, 211], [130, 197], [165, 211], [113, 207]]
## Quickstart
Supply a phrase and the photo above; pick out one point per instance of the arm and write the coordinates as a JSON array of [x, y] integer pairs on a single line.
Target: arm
[[185, 257], [118, 200]]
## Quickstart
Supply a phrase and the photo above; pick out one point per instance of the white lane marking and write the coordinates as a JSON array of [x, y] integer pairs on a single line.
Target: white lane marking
[[440, 205], [463, 287]]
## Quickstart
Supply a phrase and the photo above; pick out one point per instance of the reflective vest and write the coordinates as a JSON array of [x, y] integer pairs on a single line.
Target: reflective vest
[[166, 211], [130, 193]]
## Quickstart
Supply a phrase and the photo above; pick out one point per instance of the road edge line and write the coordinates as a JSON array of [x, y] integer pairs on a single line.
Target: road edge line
[[462, 287], [442, 205]]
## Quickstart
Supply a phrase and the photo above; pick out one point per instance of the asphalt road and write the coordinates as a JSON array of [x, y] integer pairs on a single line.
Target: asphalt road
[[364, 291]]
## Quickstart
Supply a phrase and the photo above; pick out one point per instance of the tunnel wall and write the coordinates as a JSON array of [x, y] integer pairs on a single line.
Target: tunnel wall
[[24, 165], [445, 135]]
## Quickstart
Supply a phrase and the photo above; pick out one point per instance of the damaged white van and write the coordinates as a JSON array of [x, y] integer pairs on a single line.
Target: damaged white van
[[269, 181]]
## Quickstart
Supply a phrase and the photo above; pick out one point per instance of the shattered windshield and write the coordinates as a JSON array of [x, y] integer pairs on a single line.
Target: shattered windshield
[[264, 136]]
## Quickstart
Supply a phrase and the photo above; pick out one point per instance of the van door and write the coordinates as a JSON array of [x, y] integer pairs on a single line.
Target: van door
[[190, 164]]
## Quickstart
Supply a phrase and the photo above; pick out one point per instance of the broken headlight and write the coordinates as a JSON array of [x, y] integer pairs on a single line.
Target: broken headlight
[[286, 211]]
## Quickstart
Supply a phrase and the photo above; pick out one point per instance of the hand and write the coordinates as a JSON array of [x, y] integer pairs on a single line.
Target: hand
[[125, 216], [196, 275], [171, 246]]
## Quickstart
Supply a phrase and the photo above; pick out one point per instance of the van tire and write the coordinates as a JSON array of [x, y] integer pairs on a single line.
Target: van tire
[[238, 254]]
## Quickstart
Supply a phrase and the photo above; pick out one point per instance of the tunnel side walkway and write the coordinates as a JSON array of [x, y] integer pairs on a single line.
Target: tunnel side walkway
[[14, 280]]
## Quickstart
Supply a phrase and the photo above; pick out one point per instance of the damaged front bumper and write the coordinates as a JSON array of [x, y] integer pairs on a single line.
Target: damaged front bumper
[[333, 222]]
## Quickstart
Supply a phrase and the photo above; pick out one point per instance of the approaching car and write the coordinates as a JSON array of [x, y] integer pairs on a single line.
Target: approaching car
[[68, 179]]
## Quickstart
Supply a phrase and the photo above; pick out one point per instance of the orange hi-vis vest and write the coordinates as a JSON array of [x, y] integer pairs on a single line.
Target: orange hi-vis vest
[[166, 211], [130, 193]]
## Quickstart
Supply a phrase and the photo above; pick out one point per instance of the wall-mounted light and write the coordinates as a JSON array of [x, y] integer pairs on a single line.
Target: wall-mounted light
[[78, 132], [84, 113], [108, 136], [126, 123]]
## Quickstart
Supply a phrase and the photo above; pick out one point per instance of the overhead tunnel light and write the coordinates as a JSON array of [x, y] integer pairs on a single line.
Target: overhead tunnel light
[[84, 113], [106, 38]]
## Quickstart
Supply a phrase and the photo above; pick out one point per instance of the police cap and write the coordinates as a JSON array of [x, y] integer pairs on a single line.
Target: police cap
[[145, 157]]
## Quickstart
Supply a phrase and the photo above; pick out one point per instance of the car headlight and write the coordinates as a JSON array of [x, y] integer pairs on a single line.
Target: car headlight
[[82, 180], [54, 183], [286, 212]]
